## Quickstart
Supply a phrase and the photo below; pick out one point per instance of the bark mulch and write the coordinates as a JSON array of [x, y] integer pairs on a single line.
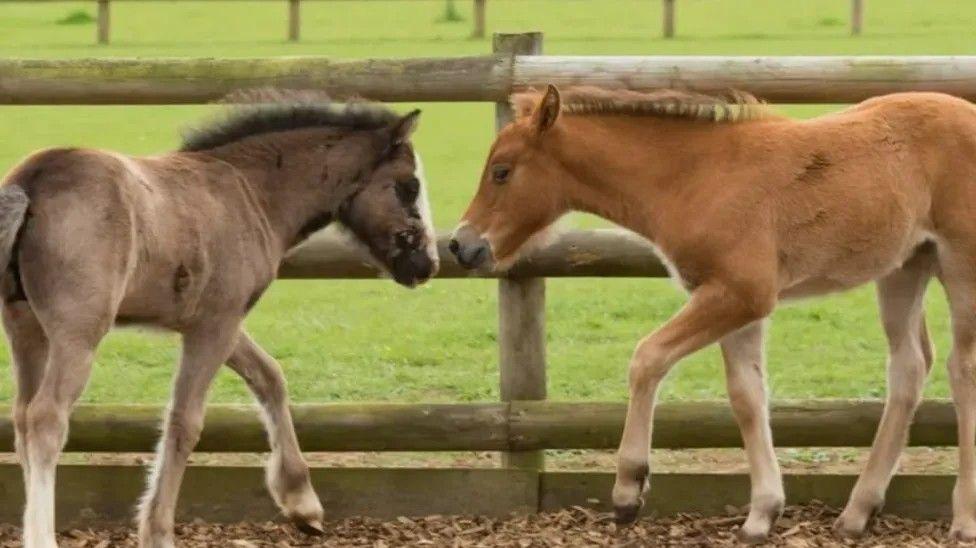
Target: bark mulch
[[800, 527]]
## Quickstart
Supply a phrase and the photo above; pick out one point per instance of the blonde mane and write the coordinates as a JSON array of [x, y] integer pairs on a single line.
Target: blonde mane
[[735, 106]]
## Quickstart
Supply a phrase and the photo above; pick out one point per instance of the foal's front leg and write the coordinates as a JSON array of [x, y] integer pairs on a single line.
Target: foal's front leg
[[204, 350], [745, 373], [713, 312], [287, 473]]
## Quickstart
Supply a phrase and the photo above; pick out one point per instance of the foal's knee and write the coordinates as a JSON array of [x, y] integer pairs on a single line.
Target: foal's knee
[[746, 401], [183, 432], [45, 427], [649, 364]]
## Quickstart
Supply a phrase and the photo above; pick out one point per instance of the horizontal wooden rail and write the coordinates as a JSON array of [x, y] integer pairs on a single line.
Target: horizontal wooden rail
[[485, 78], [127, 81], [88, 495], [519, 426], [579, 253]]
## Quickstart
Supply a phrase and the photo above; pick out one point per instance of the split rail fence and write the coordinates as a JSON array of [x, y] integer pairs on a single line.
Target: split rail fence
[[523, 425]]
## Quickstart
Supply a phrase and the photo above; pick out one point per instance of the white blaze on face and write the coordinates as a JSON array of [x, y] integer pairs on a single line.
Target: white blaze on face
[[423, 207]]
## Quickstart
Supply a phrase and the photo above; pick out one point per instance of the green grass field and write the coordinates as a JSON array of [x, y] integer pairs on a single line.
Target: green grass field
[[370, 340]]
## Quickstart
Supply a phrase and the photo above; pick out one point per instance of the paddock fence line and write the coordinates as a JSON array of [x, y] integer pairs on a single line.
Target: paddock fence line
[[815, 79], [523, 424], [103, 27]]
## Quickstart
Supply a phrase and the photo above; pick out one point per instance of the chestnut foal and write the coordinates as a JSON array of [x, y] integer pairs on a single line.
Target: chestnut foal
[[188, 241], [747, 208]]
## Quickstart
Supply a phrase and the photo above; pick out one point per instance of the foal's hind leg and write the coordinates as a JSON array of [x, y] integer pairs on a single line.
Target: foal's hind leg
[[71, 349], [901, 297], [287, 473], [958, 275], [28, 352], [204, 350], [746, 380]]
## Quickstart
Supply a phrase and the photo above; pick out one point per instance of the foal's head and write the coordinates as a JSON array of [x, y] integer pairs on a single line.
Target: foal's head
[[555, 157], [389, 211], [321, 161], [522, 187]]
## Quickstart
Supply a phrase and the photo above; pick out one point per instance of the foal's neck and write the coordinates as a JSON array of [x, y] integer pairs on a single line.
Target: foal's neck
[[637, 171], [294, 179]]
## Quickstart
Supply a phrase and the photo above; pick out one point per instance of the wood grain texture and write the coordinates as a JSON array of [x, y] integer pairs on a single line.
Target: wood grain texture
[[128, 81], [485, 78], [501, 426], [91, 495], [578, 253]]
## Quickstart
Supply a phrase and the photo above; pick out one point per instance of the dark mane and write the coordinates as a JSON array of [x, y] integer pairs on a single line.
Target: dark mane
[[283, 112]]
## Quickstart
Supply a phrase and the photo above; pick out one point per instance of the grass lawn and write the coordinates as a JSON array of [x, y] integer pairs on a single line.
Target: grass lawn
[[369, 340]]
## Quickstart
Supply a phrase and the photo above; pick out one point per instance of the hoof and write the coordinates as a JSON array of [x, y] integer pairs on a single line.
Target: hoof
[[310, 527], [626, 515], [746, 537], [962, 535], [842, 530]]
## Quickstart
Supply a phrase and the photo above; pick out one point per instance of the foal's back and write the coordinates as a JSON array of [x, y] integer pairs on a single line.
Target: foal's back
[[144, 236]]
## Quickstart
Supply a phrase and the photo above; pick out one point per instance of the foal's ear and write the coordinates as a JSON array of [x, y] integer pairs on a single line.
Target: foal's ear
[[548, 110], [404, 127]]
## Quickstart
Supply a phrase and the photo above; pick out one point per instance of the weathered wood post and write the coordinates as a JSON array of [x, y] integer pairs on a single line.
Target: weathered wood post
[[667, 18], [857, 17], [479, 19], [104, 21], [521, 301], [294, 20]]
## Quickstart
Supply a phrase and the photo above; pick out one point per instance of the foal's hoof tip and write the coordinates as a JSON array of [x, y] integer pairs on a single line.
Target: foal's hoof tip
[[847, 532], [313, 527], [958, 535], [746, 537], [626, 515]]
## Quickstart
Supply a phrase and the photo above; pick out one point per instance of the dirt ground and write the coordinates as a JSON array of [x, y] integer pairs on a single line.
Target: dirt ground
[[800, 527]]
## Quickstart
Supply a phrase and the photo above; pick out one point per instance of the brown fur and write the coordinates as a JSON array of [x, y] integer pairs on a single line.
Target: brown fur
[[748, 214], [188, 241]]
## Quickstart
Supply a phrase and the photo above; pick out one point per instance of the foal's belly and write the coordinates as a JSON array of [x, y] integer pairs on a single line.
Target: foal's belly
[[847, 271]]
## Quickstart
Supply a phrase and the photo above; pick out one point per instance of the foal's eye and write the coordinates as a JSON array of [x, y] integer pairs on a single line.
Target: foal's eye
[[500, 173], [405, 239], [408, 190]]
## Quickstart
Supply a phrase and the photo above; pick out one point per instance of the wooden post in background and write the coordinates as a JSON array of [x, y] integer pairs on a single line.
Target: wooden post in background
[[104, 21], [857, 17], [667, 18], [521, 302], [294, 20], [479, 19]]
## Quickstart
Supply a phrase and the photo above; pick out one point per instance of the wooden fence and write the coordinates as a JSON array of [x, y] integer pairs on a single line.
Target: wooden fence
[[518, 426], [479, 16]]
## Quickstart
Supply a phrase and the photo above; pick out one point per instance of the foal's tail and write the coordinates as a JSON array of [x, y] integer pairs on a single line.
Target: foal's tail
[[13, 210]]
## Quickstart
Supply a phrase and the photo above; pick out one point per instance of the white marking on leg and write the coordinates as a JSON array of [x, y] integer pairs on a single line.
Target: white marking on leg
[[39, 512]]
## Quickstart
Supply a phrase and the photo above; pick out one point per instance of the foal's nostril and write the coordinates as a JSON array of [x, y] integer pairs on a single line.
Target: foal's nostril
[[453, 246], [473, 256]]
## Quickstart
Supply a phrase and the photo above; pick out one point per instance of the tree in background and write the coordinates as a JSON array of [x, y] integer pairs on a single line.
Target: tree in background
[[451, 13]]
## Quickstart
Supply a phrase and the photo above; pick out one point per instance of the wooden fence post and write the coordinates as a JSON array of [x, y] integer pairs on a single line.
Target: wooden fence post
[[521, 301], [104, 21], [667, 18], [479, 19], [294, 20], [857, 17]]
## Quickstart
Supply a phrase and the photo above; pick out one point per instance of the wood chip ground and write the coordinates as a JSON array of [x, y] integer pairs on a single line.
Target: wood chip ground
[[800, 527]]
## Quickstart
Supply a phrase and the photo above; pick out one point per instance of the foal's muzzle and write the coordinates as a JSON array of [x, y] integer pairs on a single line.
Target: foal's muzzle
[[412, 268], [470, 248]]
